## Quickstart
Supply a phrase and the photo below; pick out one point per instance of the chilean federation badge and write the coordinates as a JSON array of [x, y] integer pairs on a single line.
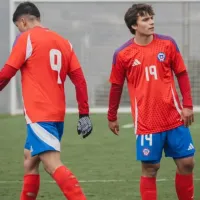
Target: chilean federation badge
[[161, 56]]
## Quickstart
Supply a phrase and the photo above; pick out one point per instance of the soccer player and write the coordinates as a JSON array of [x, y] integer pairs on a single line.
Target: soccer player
[[148, 62], [44, 59]]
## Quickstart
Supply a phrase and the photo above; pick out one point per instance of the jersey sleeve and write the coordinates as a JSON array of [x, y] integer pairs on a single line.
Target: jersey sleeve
[[177, 63], [118, 72], [74, 62], [19, 52]]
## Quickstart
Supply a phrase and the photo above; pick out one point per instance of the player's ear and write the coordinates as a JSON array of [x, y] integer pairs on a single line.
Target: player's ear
[[22, 21], [134, 27]]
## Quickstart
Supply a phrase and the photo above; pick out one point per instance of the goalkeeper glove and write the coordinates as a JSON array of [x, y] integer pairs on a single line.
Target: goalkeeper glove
[[84, 126]]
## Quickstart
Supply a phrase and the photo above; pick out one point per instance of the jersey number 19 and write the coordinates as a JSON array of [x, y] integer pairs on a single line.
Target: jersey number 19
[[151, 71]]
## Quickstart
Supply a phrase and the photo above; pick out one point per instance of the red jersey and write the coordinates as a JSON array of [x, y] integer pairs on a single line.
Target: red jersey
[[44, 58], [149, 73]]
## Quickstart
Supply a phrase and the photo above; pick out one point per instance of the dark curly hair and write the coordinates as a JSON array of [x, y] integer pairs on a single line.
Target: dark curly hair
[[134, 11]]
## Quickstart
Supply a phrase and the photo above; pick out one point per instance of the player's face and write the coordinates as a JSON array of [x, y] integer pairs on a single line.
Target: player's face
[[145, 25], [22, 24]]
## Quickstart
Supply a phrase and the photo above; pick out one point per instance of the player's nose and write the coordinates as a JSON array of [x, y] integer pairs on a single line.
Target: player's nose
[[151, 22]]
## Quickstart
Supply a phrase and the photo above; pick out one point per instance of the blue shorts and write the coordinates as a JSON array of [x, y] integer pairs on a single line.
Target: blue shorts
[[44, 136], [177, 143]]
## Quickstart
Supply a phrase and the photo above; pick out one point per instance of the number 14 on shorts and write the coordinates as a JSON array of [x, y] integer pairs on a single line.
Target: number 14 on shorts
[[146, 138]]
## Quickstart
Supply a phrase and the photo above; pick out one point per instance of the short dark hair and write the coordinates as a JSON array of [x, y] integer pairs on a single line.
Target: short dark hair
[[134, 12], [26, 8]]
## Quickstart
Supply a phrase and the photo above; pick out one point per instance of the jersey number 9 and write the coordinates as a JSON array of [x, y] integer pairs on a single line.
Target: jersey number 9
[[56, 62]]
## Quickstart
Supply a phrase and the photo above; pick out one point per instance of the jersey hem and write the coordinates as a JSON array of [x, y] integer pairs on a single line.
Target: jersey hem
[[46, 120], [160, 130]]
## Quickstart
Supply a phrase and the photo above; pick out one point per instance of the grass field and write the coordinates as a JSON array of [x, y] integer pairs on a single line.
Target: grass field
[[105, 164]]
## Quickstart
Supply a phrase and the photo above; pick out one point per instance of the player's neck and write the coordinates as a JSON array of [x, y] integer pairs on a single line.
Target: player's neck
[[143, 40], [36, 24]]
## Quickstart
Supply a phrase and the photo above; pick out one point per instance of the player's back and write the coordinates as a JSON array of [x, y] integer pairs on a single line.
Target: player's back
[[43, 74]]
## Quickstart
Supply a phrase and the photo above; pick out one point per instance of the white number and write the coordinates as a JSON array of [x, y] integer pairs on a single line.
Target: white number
[[151, 70], [147, 138], [56, 62]]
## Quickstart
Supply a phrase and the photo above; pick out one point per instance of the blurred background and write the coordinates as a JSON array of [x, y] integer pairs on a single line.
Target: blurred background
[[96, 30], [104, 164]]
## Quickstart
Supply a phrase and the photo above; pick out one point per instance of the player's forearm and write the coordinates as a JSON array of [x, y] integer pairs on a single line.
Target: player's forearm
[[6, 74], [114, 101], [185, 88], [78, 80]]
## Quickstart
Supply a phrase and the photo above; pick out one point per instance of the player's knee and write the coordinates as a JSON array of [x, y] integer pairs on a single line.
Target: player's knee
[[48, 168], [27, 164], [186, 165], [51, 168], [31, 167], [31, 164], [150, 170]]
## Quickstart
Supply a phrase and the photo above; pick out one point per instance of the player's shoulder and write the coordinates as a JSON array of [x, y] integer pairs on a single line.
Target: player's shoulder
[[24, 35], [119, 52], [69, 44], [64, 40], [164, 37], [21, 37], [168, 40]]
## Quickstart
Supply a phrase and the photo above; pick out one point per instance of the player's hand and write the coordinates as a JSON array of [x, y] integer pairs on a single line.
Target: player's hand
[[187, 116], [84, 127], [114, 127]]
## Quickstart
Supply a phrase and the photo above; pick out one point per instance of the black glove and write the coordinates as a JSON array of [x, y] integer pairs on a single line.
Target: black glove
[[84, 126]]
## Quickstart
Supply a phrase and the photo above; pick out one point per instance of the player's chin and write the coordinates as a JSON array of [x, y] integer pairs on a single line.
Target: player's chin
[[150, 32]]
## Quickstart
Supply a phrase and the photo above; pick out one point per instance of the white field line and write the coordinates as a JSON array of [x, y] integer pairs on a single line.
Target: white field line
[[128, 125], [93, 181]]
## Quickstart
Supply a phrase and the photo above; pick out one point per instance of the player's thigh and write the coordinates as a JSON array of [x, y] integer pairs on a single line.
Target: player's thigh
[[51, 161], [179, 143], [149, 147], [44, 137]]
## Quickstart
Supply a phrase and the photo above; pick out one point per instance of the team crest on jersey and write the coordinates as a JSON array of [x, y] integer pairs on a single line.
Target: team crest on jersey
[[146, 152], [161, 56]]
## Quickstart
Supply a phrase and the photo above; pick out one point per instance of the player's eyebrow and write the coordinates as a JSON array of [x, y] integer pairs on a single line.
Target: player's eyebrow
[[147, 17]]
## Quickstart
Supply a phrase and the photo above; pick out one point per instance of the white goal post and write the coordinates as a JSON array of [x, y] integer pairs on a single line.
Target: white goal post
[[14, 109]]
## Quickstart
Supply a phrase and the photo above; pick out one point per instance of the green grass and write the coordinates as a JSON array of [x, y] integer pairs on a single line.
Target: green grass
[[102, 156]]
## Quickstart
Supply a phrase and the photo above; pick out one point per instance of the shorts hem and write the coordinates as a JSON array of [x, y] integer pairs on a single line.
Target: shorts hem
[[185, 156], [40, 152], [150, 161]]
